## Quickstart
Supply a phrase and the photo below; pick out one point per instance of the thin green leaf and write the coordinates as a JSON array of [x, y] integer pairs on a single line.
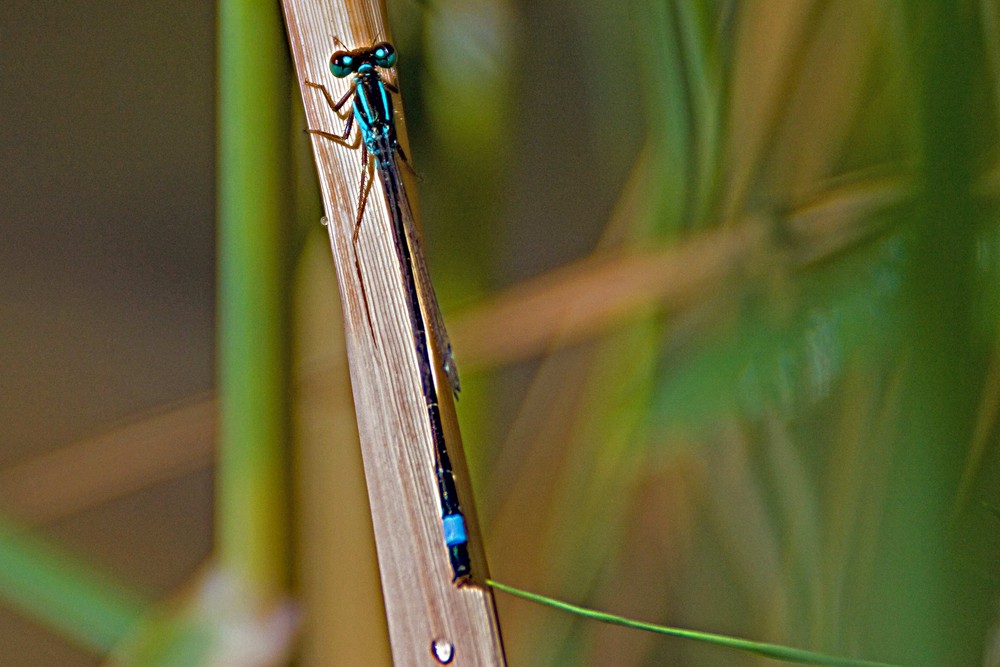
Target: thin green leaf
[[775, 651], [63, 593]]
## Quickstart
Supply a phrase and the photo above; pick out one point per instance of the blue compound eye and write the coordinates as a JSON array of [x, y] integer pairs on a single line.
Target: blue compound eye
[[384, 54], [342, 64]]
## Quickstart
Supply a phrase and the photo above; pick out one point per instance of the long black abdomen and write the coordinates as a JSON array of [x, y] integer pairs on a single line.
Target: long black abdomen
[[454, 522]]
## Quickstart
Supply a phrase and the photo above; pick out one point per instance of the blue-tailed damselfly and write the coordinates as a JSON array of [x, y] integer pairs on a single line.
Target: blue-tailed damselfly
[[372, 110]]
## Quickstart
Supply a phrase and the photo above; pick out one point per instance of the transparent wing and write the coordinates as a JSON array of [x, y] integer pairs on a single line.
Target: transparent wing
[[430, 309]]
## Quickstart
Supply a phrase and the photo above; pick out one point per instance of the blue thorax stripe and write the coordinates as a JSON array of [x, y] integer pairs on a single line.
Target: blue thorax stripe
[[360, 94], [385, 101]]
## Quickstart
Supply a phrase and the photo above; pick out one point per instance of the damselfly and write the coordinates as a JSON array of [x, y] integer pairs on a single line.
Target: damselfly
[[373, 112]]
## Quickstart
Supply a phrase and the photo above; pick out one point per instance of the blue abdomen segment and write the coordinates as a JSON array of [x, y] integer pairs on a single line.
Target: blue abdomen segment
[[454, 530]]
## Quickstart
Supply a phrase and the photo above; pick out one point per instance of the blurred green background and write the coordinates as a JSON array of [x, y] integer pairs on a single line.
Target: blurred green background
[[721, 277]]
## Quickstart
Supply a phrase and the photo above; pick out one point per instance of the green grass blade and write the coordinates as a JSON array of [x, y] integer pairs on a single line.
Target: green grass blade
[[760, 648], [61, 592]]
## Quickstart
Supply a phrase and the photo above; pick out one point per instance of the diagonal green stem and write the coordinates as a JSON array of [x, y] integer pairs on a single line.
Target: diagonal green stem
[[760, 648], [63, 593]]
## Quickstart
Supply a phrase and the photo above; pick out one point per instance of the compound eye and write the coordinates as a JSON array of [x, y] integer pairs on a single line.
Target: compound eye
[[342, 64], [384, 54]]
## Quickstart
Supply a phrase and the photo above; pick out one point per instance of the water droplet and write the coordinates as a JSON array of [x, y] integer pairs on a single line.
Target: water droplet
[[443, 650]]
